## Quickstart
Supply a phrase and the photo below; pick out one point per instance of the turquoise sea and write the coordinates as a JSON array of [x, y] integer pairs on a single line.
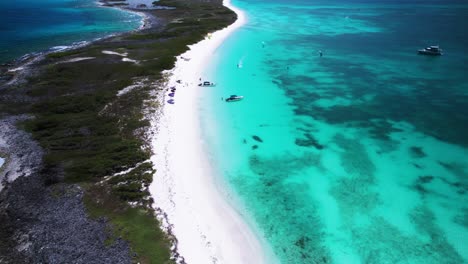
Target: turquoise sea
[[28, 26], [359, 156]]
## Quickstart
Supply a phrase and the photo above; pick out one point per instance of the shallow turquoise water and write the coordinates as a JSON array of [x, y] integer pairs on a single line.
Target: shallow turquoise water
[[359, 156], [28, 26]]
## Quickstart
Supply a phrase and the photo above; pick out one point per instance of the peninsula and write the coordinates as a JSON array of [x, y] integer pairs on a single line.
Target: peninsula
[[74, 130]]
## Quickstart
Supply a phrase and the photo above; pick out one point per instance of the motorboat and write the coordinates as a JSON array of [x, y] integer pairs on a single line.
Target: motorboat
[[207, 84], [234, 98], [431, 50]]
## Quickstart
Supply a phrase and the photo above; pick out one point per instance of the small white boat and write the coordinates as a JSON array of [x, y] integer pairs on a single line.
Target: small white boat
[[207, 84], [431, 50], [234, 98]]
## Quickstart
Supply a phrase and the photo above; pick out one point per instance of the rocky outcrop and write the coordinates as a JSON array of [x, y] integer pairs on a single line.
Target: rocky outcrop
[[43, 223], [50, 225], [24, 155]]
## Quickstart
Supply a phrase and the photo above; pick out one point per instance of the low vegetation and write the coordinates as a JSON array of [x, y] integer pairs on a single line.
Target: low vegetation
[[136, 225], [90, 134]]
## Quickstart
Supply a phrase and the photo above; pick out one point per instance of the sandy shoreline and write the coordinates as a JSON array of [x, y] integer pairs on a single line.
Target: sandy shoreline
[[207, 228]]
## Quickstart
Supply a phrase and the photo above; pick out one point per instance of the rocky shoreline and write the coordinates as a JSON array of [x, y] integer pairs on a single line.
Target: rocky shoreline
[[17, 71], [24, 156]]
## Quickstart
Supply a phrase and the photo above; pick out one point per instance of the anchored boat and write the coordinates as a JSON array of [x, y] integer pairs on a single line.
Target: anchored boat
[[234, 98], [431, 50], [207, 84]]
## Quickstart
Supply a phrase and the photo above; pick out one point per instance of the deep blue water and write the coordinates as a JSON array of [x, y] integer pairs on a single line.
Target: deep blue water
[[32, 26]]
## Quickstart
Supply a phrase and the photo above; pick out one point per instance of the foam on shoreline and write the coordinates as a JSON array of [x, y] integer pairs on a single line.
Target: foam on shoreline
[[207, 228]]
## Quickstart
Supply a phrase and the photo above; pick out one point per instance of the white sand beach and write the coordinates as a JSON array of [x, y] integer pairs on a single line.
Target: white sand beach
[[208, 229]]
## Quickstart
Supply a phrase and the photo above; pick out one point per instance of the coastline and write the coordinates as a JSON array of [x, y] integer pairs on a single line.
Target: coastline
[[78, 77], [100, 54], [210, 227], [192, 205], [147, 21], [20, 67]]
